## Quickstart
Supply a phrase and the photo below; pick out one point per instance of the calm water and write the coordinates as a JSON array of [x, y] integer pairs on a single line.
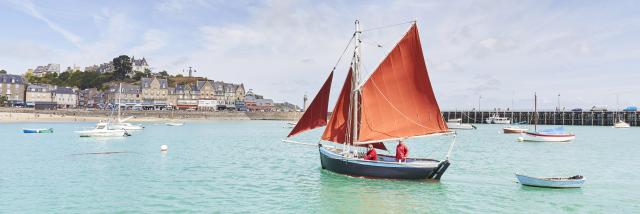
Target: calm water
[[241, 166]]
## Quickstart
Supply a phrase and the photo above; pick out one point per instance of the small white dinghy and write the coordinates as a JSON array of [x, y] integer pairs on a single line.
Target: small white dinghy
[[174, 124], [102, 130], [457, 124], [569, 182]]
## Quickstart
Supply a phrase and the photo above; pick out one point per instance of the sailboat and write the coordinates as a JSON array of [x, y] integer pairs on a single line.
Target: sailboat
[[621, 124], [121, 123], [546, 135], [395, 103]]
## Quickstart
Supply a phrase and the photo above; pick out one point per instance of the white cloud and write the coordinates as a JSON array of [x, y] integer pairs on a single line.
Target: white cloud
[[153, 40], [29, 8]]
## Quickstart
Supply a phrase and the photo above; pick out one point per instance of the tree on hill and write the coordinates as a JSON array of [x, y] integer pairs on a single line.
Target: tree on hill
[[122, 66], [3, 71]]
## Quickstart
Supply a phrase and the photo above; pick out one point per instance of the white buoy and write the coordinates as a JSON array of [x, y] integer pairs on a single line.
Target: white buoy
[[164, 148], [520, 139]]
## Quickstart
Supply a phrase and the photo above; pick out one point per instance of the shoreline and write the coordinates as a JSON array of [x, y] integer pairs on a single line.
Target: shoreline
[[8, 115]]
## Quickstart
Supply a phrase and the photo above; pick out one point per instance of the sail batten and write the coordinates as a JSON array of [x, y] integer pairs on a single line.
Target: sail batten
[[397, 100], [316, 115]]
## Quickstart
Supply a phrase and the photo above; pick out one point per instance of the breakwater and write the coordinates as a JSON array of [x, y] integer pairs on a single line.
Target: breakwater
[[607, 118]]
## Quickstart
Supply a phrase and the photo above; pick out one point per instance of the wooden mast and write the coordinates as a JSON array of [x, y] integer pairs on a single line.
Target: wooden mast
[[355, 84]]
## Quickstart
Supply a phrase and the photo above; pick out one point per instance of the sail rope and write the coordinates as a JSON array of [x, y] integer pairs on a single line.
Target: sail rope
[[344, 51], [388, 26]]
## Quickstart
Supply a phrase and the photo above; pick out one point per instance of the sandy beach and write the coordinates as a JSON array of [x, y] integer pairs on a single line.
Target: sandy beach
[[12, 117]]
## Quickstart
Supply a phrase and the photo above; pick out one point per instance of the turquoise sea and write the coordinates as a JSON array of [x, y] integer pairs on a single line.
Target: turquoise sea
[[243, 167]]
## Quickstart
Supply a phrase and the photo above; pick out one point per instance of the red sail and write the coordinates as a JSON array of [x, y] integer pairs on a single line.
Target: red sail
[[316, 115], [398, 100], [338, 126]]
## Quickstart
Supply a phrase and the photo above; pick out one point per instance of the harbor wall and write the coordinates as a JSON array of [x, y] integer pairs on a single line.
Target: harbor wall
[[204, 115], [607, 118]]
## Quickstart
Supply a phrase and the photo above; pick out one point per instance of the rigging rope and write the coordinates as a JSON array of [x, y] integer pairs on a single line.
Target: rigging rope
[[344, 51], [388, 26]]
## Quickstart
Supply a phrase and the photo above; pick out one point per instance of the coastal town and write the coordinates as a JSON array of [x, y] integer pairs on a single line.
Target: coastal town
[[140, 89]]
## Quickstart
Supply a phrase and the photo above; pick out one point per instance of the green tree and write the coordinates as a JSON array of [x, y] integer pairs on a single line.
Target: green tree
[[164, 74], [3, 100], [122, 66], [3, 71]]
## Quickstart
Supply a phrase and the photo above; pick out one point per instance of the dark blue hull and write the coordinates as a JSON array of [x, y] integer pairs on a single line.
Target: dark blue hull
[[386, 167]]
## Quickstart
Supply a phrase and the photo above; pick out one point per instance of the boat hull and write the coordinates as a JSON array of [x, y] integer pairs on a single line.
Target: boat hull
[[621, 125], [536, 137], [513, 130], [549, 183], [420, 169], [31, 131], [460, 126], [110, 133]]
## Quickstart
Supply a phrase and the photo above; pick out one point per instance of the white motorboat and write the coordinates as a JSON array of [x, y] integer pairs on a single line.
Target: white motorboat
[[103, 130], [495, 119], [621, 124], [126, 126], [174, 124], [457, 124]]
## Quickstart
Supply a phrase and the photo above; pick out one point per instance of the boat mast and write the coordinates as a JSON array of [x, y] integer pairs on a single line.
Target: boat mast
[[535, 111], [355, 91], [119, 95]]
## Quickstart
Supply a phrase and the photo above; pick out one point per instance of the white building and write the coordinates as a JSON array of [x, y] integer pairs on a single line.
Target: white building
[[65, 97], [39, 93], [42, 70]]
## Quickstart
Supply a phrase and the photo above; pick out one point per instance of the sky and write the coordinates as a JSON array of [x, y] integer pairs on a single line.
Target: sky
[[492, 53]]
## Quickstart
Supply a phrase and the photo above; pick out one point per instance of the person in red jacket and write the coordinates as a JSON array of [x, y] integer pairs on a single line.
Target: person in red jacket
[[401, 152], [371, 154]]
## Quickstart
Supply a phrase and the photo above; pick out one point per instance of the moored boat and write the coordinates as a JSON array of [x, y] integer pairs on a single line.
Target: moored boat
[[103, 130], [174, 124], [513, 130], [621, 124], [568, 182], [457, 124], [549, 135], [49, 130], [372, 112], [495, 119]]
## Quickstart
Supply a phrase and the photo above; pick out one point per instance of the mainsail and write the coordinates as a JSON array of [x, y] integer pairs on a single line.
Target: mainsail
[[316, 115], [397, 101]]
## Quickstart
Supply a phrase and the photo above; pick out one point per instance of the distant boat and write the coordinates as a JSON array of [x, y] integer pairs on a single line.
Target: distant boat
[[621, 124], [513, 130], [547, 135], [570, 182], [457, 124], [396, 102], [174, 124], [103, 130], [495, 119], [520, 123], [49, 130]]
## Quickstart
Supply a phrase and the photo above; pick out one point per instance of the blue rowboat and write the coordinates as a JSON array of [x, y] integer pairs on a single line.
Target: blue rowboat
[[49, 130], [570, 182]]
